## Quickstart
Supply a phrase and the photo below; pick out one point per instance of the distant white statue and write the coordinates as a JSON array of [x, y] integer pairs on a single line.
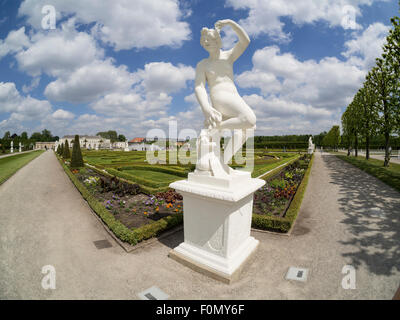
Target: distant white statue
[[227, 109], [311, 146], [12, 147], [20, 147]]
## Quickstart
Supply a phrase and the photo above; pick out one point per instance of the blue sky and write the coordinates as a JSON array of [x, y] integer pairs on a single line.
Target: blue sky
[[129, 65]]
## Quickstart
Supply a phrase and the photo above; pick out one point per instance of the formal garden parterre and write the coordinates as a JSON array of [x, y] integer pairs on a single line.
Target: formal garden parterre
[[133, 199]]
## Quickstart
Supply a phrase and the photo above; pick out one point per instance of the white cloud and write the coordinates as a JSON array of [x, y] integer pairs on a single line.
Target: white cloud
[[275, 107], [120, 23], [164, 77], [328, 83], [21, 108], [58, 52], [264, 16], [9, 97], [367, 46], [150, 95], [90, 82], [34, 83], [61, 114], [15, 41]]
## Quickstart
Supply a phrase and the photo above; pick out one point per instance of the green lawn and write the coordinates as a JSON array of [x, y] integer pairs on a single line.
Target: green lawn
[[10, 165], [262, 166], [161, 175], [374, 167], [154, 176]]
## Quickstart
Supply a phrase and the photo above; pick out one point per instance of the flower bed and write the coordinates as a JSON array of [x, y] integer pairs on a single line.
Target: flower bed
[[130, 214], [276, 204], [126, 201]]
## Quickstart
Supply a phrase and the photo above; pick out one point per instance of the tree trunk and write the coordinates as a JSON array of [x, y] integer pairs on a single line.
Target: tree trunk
[[367, 148], [356, 146], [387, 153]]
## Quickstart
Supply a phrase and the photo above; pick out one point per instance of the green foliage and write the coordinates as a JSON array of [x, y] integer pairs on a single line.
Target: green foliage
[[76, 159], [66, 152], [332, 139], [111, 134], [61, 150], [138, 180], [278, 183], [376, 107], [155, 168]]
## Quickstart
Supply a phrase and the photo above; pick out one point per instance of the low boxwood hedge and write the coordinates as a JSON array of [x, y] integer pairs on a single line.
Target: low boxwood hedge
[[131, 236], [139, 180], [155, 169], [284, 224]]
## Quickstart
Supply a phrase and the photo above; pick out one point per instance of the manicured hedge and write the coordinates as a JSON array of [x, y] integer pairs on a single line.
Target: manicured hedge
[[139, 180], [131, 236], [284, 224], [155, 169], [143, 188]]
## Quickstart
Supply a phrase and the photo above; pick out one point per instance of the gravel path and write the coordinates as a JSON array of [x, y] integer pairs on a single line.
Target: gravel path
[[347, 218]]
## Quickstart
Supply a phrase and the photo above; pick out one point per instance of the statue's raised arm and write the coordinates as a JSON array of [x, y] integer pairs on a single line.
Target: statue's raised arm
[[243, 42]]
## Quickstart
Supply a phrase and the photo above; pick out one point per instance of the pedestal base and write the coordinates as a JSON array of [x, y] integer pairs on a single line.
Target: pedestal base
[[221, 269], [217, 224]]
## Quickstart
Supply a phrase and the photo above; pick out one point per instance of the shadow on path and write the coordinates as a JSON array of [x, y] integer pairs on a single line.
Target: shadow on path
[[372, 217]]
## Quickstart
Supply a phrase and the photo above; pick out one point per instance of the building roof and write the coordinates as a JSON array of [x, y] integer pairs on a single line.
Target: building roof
[[136, 140]]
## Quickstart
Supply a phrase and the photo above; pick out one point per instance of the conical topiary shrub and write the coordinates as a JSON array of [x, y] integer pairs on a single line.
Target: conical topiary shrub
[[76, 159], [61, 150], [66, 153]]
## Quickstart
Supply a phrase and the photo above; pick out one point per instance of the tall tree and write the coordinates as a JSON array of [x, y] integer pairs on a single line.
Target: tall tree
[[67, 153], [76, 159], [365, 102], [62, 150], [382, 83], [391, 55], [332, 139]]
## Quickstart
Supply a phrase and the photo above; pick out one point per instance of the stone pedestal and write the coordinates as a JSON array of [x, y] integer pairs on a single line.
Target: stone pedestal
[[217, 223], [310, 150]]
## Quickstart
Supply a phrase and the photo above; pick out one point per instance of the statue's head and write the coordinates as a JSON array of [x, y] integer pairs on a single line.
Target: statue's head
[[210, 39]]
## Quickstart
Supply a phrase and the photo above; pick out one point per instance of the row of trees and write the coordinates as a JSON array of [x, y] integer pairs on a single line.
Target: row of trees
[[26, 141], [375, 109], [112, 135], [76, 157]]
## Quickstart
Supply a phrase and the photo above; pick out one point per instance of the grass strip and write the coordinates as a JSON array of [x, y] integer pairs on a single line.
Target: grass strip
[[389, 175], [11, 164]]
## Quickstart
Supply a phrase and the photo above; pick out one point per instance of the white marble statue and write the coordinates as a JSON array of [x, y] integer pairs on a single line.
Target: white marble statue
[[218, 200], [311, 146], [20, 147], [12, 147], [224, 108], [227, 109]]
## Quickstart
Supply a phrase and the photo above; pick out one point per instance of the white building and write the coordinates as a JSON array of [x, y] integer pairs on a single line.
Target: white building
[[144, 147], [88, 142], [120, 145]]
